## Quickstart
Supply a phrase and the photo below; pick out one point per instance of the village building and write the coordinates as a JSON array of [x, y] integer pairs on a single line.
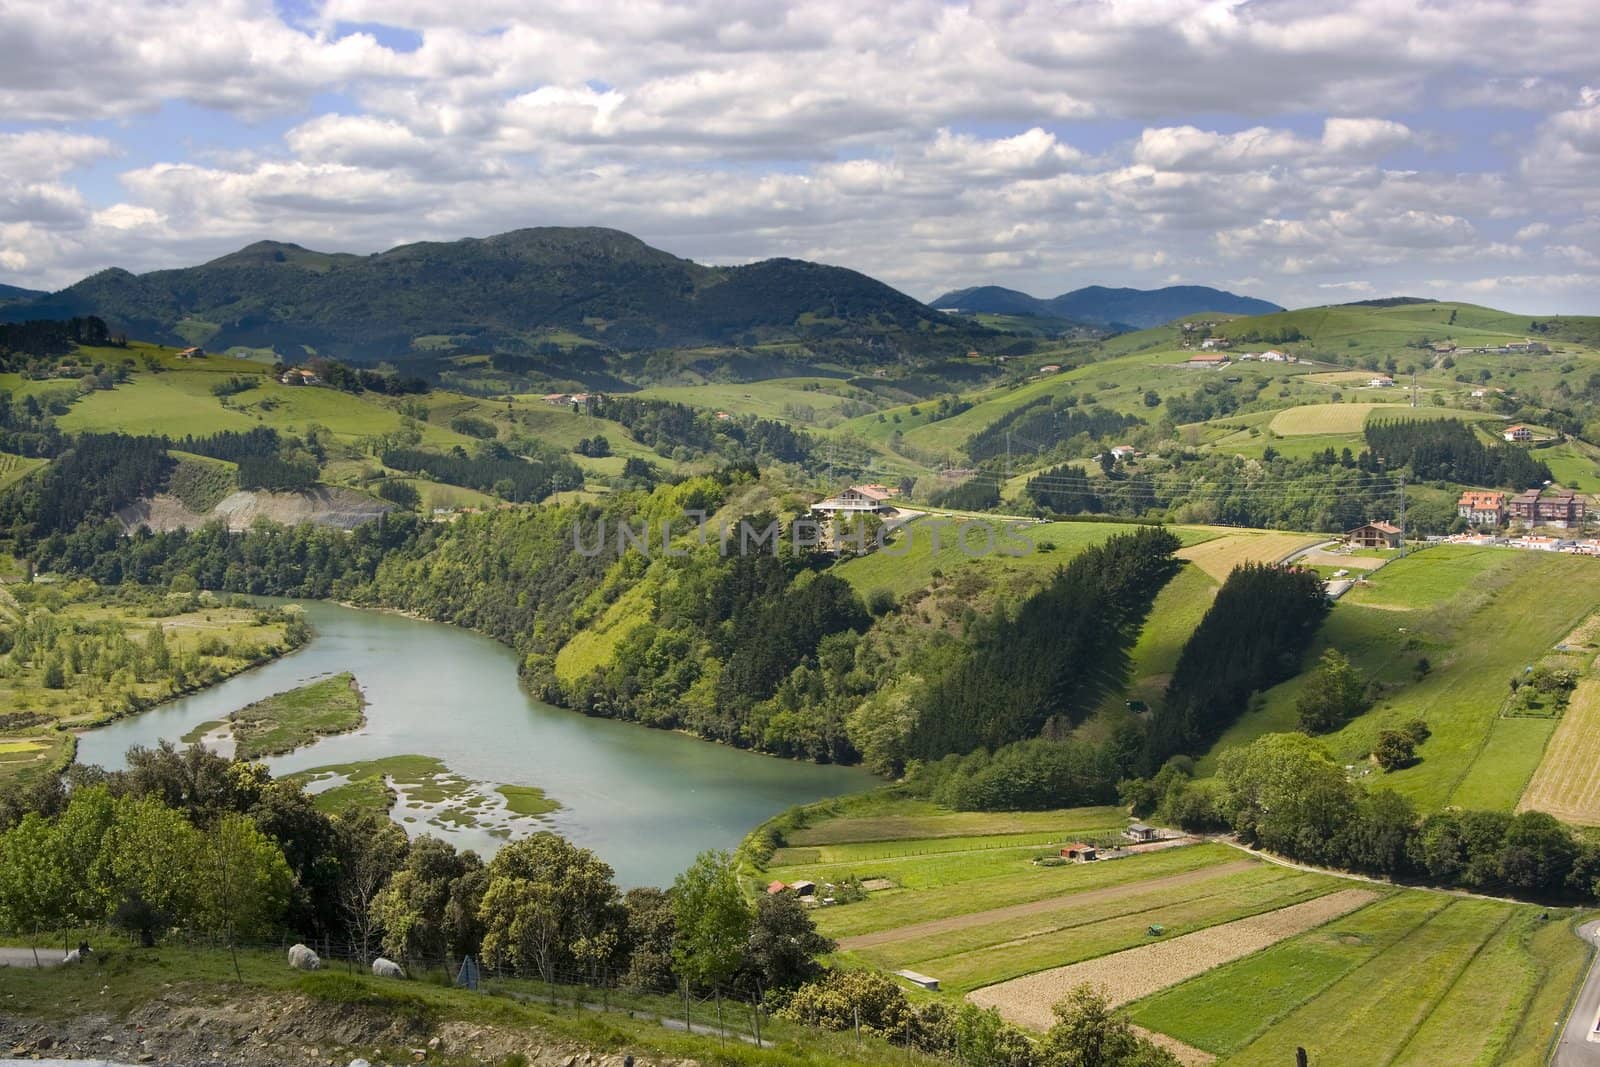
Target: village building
[[1206, 360], [1078, 852], [1482, 508], [857, 500], [1479, 394], [1517, 433], [1272, 355], [1376, 535], [1557, 507], [1124, 452], [1050, 368], [1215, 343], [1382, 381], [300, 376], [192, 353], [1139, 833]]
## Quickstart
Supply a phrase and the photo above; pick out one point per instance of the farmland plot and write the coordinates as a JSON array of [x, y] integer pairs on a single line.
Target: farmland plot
[[1137, 972]]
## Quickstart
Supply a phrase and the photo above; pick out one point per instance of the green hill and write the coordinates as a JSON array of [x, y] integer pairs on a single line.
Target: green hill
[[1101, 306], [510, 291]]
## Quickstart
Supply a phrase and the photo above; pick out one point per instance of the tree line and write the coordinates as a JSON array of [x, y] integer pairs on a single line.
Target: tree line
[[1285, 793], [1448, 450], [492, 470]]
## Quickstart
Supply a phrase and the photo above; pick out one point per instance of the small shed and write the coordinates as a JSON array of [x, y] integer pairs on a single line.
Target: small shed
[[775, 887], [803, 888], [1078, 852], [1139, 832]]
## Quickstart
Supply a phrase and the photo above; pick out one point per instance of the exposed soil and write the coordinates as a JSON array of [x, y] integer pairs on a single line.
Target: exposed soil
[[196, 1027], [323, 505]]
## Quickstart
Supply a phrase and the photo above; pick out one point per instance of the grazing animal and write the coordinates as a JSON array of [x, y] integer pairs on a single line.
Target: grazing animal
[[303, 959], [386, 968]]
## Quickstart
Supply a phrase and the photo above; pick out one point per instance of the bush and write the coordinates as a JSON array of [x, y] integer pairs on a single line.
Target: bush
[[840, 998]]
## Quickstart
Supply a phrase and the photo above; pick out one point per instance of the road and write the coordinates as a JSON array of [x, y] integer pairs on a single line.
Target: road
[[1575, 1049], [49, 956]]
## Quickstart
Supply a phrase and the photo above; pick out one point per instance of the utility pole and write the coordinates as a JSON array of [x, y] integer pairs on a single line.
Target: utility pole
[[1413, 388], [1402, 515]]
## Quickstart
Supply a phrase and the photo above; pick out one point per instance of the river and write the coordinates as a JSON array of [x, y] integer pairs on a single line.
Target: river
[[647, 801]]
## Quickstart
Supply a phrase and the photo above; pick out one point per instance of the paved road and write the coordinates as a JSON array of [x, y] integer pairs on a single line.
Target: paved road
[[49, 956], [1575, 1048]]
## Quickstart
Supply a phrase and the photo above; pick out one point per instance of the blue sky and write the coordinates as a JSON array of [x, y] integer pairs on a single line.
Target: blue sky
[[1302, 152]]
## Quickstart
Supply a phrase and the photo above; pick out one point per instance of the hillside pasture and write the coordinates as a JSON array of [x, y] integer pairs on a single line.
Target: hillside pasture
[[1352, 418], [15, 468], [1450, 605]]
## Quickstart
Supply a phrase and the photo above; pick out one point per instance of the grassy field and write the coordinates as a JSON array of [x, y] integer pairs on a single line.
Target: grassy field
[[1567, 782], [1352, 418], [286, 721], [15, 468], [1416, 978], [107, 634], [1367, 974], [1218, 557], [1449, 605], [910, 561]]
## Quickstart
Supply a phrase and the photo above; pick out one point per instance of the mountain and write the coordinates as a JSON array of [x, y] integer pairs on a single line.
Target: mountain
[[11, 294], [1101, 306], [507, 291]]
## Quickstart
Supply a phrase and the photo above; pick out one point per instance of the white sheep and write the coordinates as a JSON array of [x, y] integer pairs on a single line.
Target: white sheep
[[303, 959], [386, 968]]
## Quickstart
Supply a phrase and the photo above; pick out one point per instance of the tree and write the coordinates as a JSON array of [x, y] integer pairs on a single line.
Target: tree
[[34, 894], [429, 908], [713, 921], [784, 943], [1333, 695], [648, 940], [1282, 791], [1088, 1033], [153, 851], [1395, 750], [1537, 853], [244, 882], [371, 849], [840, 998], [983, 1039], [550, 904]]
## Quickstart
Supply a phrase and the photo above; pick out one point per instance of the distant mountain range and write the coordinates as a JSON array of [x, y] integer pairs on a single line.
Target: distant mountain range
[[1097, 305], [512, 289], [11, 294]]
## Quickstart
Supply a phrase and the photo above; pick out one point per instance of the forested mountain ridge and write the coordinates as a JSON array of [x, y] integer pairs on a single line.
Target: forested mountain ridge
[[1102, 306], [502, 291], [12, 294]]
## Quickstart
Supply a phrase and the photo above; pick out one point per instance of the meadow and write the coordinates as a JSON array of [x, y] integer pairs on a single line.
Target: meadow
[[286, 721], [1449, 606]]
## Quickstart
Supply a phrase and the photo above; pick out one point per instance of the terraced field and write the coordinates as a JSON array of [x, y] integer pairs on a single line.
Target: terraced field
[[1218, 557]]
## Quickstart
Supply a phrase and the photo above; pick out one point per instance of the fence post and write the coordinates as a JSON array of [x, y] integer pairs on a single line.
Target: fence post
[[721, 1031], [688, 1024]]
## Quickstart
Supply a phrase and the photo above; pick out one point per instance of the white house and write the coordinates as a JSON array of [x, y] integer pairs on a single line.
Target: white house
[[1382, 381], [856, 500]]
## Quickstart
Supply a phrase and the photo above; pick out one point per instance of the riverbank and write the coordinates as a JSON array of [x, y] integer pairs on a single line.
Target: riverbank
[[647, 801]]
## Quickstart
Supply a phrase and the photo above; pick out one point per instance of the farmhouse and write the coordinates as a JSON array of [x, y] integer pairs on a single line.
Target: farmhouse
[[192, 353], [1560, 508], [1479, 394], [1078, 852], [300, 376], [1375, 535], [1481, 508], [1517, 433], [1206, 360], [1215, 343], [856, 500], [1123, 452], [1382, 381], [1050, 368], [1272, 355]]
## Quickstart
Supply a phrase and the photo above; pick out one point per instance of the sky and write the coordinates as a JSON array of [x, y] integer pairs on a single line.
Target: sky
[[1297, 150]]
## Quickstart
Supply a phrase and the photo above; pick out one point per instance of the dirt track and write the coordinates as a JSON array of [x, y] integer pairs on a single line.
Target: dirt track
[[1137, 972], [1036, 907]]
